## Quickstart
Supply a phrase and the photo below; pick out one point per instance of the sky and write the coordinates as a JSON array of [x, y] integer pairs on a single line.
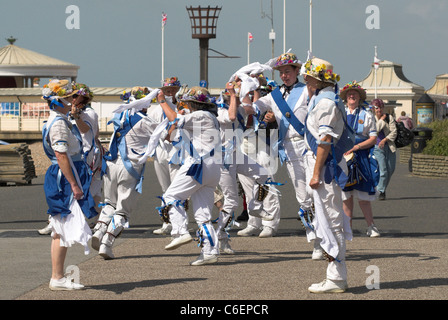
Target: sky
[[119, 43]]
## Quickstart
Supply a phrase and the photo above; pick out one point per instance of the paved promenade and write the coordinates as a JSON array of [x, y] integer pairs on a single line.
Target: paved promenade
[[408, 262]]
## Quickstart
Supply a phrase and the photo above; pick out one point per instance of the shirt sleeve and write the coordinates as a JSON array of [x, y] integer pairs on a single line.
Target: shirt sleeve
[[59, 135], [329, 117]]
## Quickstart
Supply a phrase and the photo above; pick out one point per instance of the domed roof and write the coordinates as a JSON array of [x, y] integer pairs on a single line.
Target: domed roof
[[17, 61]]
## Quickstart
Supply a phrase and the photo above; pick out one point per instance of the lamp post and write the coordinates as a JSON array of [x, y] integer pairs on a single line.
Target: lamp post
[[203, 27]]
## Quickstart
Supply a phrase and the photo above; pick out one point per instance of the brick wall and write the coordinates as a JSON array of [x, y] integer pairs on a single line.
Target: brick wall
[[429, 166]]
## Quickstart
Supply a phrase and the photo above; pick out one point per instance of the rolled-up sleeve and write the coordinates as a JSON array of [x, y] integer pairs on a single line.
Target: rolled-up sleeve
[[59, 135]]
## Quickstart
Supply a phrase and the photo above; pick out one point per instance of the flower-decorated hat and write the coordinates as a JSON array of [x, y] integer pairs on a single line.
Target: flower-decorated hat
[[353, 86], [136, 93], [287, 58], [171, 86], [199, 95], [321, 70], [57, 88], [83, 90]]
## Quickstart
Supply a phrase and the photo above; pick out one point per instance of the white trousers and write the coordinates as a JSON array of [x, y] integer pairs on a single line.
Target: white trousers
[[229, 185], [297, 172], [165, 171], [271, 204], [201, 195], [331, 224], [119, 188]]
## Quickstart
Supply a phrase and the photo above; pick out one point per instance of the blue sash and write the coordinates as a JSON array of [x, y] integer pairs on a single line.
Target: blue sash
[[46, 129], [289, 118], [345, 143], [123, 123]]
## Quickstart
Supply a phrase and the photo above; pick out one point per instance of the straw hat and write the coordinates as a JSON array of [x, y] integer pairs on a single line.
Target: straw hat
[[82, 90], [198, 95], [170, 86], [287, 59], [321, 70], [353, 86], [57, 88], [136, 92]]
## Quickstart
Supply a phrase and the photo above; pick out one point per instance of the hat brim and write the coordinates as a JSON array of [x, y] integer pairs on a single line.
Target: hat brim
[[169, 90], [295, 64], [362, 94]]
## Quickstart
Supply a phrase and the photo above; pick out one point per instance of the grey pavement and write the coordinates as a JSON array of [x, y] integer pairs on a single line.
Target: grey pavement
[[408, 262]]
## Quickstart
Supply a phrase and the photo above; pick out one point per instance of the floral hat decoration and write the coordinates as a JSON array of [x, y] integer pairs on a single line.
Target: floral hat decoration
[[171, 86], [287, 58], [321, 70], [83, 90], [353, 86], [199, 95], [136, 93], [57, 88]]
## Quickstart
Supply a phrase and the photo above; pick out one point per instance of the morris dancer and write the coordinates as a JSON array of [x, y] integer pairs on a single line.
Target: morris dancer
[[289, 105], [66, 184], [366, 170], [327, 137], [232, 119], [123, 169], [198, 139]]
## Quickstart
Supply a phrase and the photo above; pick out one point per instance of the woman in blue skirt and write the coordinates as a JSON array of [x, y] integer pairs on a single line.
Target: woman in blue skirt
[[362, 165], [67, 182]]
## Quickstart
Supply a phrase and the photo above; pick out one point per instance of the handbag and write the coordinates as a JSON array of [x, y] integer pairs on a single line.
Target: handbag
[[404, 135]]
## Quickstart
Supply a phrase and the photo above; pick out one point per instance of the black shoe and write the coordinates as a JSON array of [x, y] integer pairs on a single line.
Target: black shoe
[[243, 216], [382, 196]]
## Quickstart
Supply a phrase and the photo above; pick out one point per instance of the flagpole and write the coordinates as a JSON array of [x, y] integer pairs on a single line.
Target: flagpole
[[248, 49], [311, 25], [284, 25], [163, 46], [375, 66]]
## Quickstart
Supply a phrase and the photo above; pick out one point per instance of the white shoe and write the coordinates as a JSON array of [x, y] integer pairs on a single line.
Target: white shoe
[[261, 214], [248, 231], [179, 241], [329, 286], [205, 259], [224, 246], [106, 252], [166, 229], [372, 231], [318, 254], [267, 232], [64, 284], [46, 230]]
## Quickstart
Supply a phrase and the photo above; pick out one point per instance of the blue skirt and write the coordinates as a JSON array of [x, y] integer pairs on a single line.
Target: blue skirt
[[58, 191], [368, 166]]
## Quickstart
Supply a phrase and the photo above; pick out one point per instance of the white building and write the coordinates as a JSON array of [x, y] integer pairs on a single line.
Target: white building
[[391, 85]]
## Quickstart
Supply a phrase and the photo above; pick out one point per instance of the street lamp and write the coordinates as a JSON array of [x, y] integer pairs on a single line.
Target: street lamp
[[203, 27]]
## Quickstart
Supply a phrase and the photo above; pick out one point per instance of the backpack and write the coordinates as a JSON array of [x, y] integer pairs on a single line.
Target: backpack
[[404, 135]]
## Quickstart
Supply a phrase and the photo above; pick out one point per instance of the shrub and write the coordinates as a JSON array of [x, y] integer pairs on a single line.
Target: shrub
[[438, 145]]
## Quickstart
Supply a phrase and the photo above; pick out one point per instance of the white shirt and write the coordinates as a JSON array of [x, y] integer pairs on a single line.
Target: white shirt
[[325, 119], [227, 126], [60, 136], [137, 138], [300, 109], [202, 128]]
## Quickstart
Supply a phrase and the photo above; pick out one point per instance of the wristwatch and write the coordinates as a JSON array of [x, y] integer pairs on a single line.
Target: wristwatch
[[162, 101]]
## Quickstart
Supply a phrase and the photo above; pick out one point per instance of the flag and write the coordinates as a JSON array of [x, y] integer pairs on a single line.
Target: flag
[[376, 62], [250, 37], [164, 19]]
